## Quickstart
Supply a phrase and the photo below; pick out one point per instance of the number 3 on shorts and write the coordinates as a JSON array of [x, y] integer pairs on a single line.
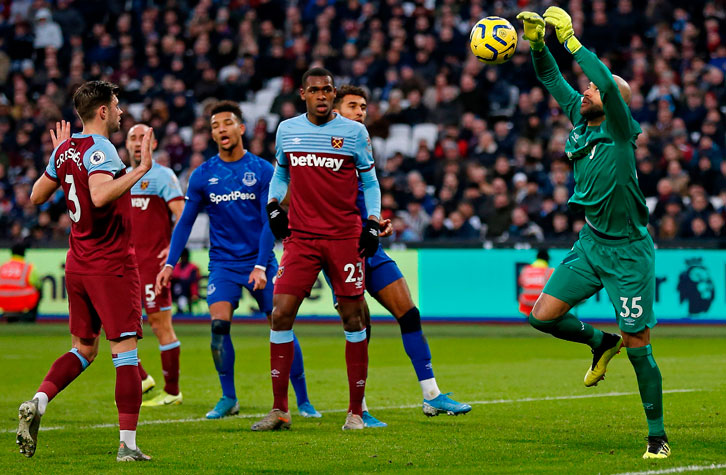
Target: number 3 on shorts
[[634, 311]]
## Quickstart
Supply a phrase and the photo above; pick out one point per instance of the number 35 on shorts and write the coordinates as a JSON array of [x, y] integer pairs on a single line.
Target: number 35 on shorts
[[354, 274], [630, 307]]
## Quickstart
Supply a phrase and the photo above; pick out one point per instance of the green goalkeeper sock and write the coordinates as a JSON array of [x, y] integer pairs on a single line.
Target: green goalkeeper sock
[[650, 385], [569, 327]]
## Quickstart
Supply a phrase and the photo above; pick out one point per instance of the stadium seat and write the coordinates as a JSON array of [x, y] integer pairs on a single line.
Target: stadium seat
[[428, 132], [135, 110], [272, 120], [199, 237], [395, 144], [186, 134], [400, 130], [650, 202], [264, 99], [379, 150]]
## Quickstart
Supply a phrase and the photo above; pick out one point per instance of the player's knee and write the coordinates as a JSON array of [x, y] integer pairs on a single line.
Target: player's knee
[[85, 353], [220, 328], [410, 322], [541, 325]]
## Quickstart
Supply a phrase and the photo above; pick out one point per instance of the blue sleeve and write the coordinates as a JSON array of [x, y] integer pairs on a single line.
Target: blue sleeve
[[267, 239], [102, 157], [279, 183], [371, 192], [363, 153], [183, 228], [170, 188], [50, 169], [279, 153]]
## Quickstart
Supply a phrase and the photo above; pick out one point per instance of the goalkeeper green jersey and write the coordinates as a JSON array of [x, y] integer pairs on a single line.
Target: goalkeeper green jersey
[[603, 157]]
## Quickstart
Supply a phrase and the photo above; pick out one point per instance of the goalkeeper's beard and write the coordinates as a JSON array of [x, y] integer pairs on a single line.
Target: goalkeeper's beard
[[592, 112]]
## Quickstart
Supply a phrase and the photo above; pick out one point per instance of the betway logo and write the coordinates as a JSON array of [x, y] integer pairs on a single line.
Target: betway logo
[[142, 203], [312, 160], [233, 196]]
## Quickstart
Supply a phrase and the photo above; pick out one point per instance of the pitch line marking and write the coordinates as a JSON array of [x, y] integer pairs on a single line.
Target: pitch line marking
[[407, 406], [688, 468]]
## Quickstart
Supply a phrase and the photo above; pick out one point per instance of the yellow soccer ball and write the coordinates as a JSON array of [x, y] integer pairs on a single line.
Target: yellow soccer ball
[[493, 40]]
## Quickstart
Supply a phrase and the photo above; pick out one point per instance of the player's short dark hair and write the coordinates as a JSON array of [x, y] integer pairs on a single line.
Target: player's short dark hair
[[349, 90], [92, 95], [18, 249], [543, 254], [226, 106], [317, 72]]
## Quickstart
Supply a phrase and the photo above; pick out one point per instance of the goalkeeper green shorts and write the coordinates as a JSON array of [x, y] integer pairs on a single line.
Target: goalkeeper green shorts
[[625, 268]]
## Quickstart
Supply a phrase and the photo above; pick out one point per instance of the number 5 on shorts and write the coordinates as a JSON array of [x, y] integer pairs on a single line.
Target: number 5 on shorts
[[149, 292], [634, 311]]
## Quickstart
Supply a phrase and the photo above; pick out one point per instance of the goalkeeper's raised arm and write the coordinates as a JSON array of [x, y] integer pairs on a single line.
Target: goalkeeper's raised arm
[[608, 94], [546, 68]]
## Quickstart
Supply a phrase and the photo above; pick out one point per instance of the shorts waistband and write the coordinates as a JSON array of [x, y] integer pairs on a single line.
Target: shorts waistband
[[602, 235]]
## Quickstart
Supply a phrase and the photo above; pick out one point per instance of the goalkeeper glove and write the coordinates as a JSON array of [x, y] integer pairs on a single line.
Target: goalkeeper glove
[[368, 242], [278, 220], [534, 29], [562, 22]]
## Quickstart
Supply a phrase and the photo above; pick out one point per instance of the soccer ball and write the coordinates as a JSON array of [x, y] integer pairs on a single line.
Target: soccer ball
[[493, 40]]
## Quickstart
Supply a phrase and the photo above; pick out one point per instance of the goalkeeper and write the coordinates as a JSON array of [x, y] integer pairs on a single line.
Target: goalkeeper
[[614, 250]]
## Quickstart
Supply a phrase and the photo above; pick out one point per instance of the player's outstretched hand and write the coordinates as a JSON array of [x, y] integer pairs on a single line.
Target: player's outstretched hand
[[259, 277], [62, 132], [534, 29], [162, 256], [278, 220], [147, 149], [385, 228], [562, 22], [368, 242], [162, 279]]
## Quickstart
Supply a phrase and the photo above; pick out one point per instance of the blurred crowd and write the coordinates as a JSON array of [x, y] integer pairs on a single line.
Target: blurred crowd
[[493, 168]]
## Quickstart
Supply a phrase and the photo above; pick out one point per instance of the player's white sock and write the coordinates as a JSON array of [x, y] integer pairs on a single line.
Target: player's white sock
[[364, 405], [42, 402], [129, 438], [430, 388]]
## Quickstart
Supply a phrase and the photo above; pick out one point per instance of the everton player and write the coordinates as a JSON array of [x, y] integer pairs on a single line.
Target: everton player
[[319, 157], [102, 277], [385, 282], [232, 186]]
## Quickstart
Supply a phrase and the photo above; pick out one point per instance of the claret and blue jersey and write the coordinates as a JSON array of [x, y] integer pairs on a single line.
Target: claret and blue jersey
[[323, 161]]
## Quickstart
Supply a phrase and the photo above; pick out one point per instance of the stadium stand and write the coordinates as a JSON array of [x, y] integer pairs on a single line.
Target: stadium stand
[[473, 151]]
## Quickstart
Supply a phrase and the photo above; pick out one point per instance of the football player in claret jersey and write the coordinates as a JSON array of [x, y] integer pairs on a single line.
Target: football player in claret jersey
[[102, 277], [385, 282], [153, 199], [319, 157], [232, 187]]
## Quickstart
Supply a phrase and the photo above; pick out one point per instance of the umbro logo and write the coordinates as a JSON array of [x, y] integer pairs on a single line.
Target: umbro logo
[[296, 140], [360, 383], [214, 180], [275, 373]]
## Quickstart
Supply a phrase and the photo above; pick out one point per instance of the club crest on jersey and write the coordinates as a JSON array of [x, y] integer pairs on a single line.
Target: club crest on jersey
[[97, 157], [336, 142], [280, 271], [144, 184], [249, 179]]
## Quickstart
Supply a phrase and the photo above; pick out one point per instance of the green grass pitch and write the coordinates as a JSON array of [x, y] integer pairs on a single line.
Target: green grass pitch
[[531, 412]]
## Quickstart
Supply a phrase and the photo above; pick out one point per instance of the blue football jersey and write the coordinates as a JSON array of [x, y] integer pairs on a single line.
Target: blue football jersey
[[234, 195]]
